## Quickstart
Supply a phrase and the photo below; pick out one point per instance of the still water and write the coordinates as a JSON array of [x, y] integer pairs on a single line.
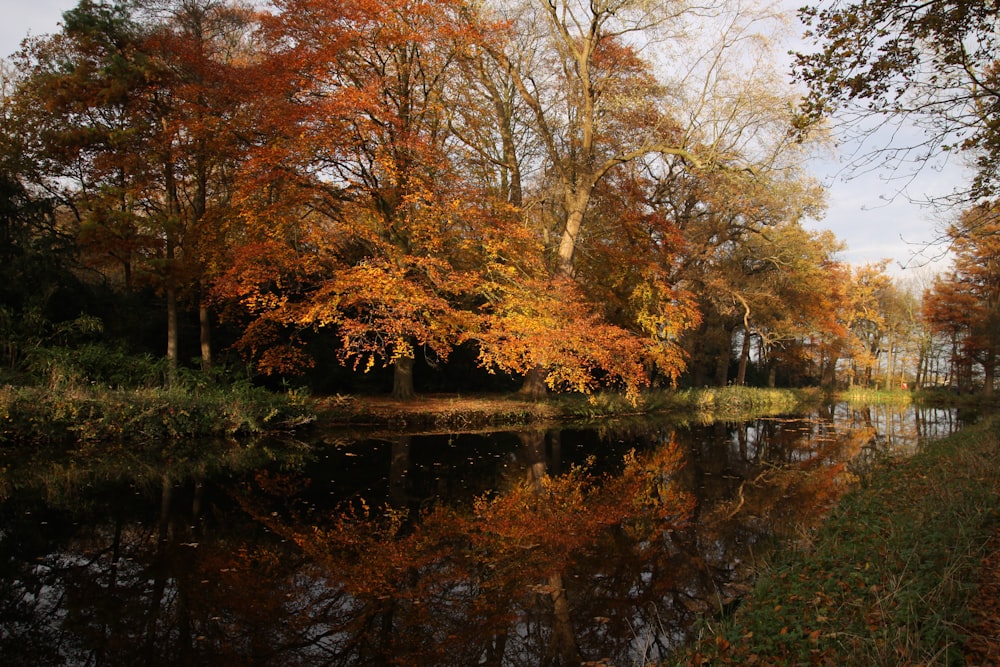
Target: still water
[[598, 546]]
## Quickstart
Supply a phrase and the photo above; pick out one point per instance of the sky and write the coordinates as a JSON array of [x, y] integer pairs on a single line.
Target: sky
[[861, 211]]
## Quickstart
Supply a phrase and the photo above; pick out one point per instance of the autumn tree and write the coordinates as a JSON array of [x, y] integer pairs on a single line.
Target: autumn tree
[[901, 315], [926, 346], [356, 143], [129, 110], [517, 71], [203, 47], [771, 293], [417, 255], [963, 304], [738, 229], [600, 111], [866, 320]]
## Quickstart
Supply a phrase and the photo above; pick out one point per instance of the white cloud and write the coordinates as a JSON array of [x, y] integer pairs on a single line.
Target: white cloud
[[878, 221]]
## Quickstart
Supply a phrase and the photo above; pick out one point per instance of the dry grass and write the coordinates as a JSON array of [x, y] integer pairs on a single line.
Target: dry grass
[[431, 412]]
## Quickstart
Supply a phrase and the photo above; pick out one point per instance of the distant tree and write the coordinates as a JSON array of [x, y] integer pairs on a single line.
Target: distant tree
[[964, 305]]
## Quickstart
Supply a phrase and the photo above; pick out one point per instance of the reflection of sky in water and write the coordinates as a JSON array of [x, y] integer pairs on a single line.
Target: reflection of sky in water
[[899, 429], [890, 430]]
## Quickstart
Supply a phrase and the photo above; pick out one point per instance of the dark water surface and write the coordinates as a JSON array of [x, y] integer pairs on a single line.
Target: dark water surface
[[578, 546]]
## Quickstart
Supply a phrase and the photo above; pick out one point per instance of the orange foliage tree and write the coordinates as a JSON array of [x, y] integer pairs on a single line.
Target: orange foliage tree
[[356, 134], [576, 103], [133, 111], [402, 251], [964, 305]]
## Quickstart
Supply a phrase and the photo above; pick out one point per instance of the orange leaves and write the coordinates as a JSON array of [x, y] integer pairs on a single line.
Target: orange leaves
[[963, 305], [360, 124], [528, 531], [664, 314], [547, 324], [383, 307]]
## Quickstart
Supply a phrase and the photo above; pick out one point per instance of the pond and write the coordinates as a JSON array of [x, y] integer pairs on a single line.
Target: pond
[[600, 545]]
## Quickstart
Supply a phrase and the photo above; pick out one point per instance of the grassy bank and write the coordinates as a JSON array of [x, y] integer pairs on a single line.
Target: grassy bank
[[82, 414], [887, 580], [77, 412], [708, 403], [862, 396], [450, 411], [738, 403]]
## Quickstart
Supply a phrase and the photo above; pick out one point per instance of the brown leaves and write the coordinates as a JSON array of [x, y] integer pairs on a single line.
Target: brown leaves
[[983, 646]]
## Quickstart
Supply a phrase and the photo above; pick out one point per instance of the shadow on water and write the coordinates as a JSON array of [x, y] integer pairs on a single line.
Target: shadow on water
[[563, 547]]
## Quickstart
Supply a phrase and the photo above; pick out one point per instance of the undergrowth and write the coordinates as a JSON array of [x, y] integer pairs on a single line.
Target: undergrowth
[[80, 413]]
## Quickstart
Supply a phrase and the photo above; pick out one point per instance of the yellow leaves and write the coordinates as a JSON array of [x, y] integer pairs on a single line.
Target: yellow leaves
[[547, 324], [401, 349]]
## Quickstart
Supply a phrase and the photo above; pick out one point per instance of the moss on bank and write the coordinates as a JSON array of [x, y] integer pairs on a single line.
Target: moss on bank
[[887, 579]]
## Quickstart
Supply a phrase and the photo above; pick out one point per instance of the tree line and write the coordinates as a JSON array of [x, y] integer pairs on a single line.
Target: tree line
[[547, 193]]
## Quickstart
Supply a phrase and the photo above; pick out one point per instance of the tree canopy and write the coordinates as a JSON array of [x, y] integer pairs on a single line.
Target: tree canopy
[[605, 194]]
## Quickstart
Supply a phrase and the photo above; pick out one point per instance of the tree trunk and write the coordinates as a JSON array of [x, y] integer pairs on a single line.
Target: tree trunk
[[171, 336], [173, 208], [829, 372], [205, 329], [724, 356], [741, 376], [890, 362], [534, 387], [402, 379], [576, 200], [989, 374]]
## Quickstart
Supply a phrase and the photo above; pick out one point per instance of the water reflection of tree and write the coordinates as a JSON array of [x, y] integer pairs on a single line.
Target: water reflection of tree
[[128, 592], [544, 569], [488, 583]]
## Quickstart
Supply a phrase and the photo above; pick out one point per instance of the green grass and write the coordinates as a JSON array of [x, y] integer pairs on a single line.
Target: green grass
[[887, 578], [81, 413], [702, 405], [862, 396]]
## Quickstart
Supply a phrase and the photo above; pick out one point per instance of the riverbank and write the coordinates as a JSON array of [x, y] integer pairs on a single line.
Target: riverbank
[[84, 413], [905, 571], [456, 412], [80, 414]]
